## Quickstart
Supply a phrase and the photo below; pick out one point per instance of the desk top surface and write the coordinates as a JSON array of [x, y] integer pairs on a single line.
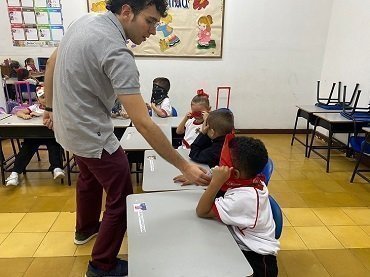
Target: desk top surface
[[333, 117], [172, 121], [316, 109], [169, 240], [158, 173], [120, 122], [3, 116], [132, 140], [366, 129], [15, 121]]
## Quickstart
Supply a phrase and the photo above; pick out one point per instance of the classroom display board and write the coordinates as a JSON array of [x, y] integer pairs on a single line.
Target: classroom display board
[[36, 22], [192, 28]]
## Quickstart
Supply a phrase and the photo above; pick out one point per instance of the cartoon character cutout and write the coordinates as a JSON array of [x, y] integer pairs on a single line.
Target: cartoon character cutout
[[170, 39], [200, 4], [204, 32]]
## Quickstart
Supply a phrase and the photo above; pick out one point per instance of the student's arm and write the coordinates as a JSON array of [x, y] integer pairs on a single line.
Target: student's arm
[[158, 111], [48, 88], [25, 114], [136, 109], [219, 176], [181, 128]]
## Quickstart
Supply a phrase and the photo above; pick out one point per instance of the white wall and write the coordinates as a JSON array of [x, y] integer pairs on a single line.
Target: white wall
[[347, 54], [272, 56]]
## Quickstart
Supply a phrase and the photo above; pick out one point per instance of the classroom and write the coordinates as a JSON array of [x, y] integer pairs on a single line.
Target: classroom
[[133, 131]]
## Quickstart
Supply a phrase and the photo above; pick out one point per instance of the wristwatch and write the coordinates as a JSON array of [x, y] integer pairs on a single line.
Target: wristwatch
[[48, 109]]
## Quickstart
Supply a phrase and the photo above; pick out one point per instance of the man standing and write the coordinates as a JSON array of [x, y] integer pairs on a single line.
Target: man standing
[[91, 67]]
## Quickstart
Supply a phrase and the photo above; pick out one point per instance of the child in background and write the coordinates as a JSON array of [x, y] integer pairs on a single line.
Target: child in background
[[207, 147], [245, 207], [192, 122], [24, 75], [30, 146], [160, 102], [119, 110], [29, 63]]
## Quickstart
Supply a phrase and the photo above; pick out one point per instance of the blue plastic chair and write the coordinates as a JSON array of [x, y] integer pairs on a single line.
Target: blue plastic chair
[[277, 215], [267, 171], [360, 145], [174, 112]]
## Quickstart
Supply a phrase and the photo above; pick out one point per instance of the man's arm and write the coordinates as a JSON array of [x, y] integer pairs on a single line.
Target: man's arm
[[48, 88], [136, 109]]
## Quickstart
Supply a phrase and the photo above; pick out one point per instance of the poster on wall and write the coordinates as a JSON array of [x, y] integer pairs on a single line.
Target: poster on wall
[[192, 28], [36, 22]]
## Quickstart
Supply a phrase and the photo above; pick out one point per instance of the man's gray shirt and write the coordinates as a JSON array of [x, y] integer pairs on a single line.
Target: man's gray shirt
[[93, 66]]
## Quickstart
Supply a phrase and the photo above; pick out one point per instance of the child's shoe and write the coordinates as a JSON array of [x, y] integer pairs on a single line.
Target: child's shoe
[[58, 173], [13, 179], [121, 270]]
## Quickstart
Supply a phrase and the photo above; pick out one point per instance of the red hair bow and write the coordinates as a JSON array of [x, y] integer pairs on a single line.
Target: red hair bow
[[201, 92]]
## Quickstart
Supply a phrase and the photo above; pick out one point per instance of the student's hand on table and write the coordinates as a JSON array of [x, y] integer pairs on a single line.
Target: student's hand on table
[[152, 105], [196, 174], [48, 119], [26, 116], [220, 174], [183, 180]]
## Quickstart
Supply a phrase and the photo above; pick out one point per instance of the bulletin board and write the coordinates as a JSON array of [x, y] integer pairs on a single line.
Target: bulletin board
[[36, 22], [192, 28]]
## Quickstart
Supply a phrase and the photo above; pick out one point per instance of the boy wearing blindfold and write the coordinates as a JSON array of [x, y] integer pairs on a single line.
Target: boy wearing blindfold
[[245, 205], [160, 102]]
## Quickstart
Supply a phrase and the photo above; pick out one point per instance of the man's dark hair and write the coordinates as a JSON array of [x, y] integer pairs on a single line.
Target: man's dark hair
[[249, 155], [137, 5], [163, 83], [222, 121]]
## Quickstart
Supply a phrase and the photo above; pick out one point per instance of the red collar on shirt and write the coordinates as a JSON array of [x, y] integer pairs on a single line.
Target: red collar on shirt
[[256, 182]]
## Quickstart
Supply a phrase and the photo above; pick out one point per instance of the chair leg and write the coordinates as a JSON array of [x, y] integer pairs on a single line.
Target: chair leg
[[295, 128]]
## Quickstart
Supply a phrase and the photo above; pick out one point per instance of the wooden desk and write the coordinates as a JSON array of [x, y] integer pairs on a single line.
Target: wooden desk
[[169, 240], [158, 173], [334, 123], [13, 127], [307, 112]]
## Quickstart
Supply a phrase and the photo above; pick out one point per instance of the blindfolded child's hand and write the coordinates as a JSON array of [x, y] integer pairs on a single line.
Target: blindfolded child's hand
[[220, 174]]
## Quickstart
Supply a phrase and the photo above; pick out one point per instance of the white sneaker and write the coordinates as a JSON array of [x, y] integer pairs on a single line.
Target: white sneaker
[[13, 179], [58, 173]]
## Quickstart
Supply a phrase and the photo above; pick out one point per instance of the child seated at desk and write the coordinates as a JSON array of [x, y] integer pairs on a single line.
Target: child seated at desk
[[245, 207], [29, 63], [160, 105], [31, 145], [191, 124], [24, 75], [119, 110], [207, 147]]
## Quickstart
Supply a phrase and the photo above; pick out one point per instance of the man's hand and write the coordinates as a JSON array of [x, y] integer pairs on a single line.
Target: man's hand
[[48, 119], [196, 174]]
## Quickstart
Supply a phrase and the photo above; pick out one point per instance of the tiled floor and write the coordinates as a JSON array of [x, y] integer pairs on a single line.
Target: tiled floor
[[326, 219]]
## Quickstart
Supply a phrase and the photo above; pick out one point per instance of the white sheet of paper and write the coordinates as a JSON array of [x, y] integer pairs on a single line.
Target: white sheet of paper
[[13, 3], [31, 34], [44, 34], [40, 3], [29, 17], [42, 18], [18, 33], [27, 3], [55, 18], [15, 17], [57, 34]]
